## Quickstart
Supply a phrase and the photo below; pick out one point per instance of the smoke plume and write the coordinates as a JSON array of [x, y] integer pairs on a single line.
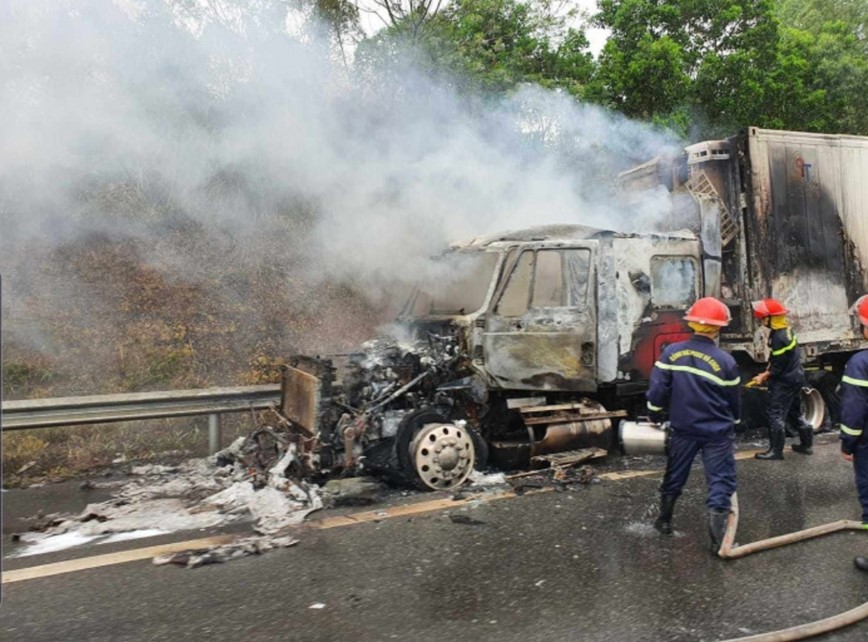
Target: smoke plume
[[198, 149]]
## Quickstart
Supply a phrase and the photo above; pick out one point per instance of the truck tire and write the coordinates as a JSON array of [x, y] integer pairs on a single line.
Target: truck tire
[[407, 448], [826, 383]]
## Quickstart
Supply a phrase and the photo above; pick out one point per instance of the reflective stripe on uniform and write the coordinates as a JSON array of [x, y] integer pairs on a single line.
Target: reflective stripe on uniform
[[792, 345], [701, 373], [855, 382], [653, 408], [849, 431]]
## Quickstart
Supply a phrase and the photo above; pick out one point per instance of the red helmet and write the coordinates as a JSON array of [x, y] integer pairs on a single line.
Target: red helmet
[[860, 309], [709, 311], [768, 308]]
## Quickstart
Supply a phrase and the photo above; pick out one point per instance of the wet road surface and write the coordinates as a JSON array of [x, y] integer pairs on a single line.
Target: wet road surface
[[582, 564]]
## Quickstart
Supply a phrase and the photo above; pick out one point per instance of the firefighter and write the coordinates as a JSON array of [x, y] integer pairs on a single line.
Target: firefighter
[[854, 418], [786, 378], [697, 383]]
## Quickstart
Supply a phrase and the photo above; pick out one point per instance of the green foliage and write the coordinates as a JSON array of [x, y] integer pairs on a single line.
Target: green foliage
[[723, 65], [648, 82], [813, 16], [493, 45], [674, 61]]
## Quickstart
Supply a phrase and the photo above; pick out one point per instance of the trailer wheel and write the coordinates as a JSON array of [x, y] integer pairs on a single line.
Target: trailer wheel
[[826, 383], [813, 408]]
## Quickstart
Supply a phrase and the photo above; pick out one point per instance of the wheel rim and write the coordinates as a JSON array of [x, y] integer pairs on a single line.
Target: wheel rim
[[443, 455], [813, 408]]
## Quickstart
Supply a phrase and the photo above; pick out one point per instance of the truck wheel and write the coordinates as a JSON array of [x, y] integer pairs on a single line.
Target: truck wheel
[[433, 453], [813, 408], [826, 383], [443, 455]]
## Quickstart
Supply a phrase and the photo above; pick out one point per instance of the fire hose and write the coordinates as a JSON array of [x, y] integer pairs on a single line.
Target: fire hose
[[729, 550], [645, 437]]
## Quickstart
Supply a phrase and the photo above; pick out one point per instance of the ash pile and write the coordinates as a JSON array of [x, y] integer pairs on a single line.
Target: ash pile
[[251, 481]]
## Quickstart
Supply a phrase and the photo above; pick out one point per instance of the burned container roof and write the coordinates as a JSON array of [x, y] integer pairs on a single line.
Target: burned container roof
[[555, 233]]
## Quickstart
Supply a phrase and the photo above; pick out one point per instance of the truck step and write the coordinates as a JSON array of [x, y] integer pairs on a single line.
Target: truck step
[[568, 457]]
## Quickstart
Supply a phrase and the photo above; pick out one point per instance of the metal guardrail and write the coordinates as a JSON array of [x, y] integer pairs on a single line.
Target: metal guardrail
[[74, 411]]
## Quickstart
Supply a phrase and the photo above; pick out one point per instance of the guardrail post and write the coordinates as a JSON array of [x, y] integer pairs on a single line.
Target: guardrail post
[[215, 433]]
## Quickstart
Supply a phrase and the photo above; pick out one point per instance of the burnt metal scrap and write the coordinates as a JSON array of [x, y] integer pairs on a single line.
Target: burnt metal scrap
[[378, 408]]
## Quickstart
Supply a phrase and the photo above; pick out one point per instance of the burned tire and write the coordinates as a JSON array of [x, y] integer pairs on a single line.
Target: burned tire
[[435, 454], [481, 447], [410, 425]]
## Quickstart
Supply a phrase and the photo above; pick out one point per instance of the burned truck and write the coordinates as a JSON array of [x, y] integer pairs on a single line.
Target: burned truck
[[532, 344]]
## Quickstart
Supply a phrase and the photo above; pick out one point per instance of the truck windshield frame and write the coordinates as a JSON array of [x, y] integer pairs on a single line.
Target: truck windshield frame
[[546, 278], [459, 284]]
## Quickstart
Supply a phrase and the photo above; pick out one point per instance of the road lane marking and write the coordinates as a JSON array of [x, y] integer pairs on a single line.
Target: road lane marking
[[338, 521], [416, 508], [109, 559]]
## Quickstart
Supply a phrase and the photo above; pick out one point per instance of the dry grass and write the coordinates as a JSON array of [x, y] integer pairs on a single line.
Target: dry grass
[[185, 307]]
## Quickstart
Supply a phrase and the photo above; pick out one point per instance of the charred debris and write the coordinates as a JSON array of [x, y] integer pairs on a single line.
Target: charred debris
[[415, 412]]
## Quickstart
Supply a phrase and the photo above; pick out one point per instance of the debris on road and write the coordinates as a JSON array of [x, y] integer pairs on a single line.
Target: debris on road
[[226, 552], [465, 519], [252, 480], [353, 491], [562, 477]]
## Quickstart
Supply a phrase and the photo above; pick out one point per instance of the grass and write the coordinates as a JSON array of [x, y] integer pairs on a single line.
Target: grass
[[55, 454]]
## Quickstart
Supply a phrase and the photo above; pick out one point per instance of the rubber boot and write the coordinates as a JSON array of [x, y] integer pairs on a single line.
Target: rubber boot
[[717, 519], [861, 563], [663, 523], [806, 441], [776, 446]]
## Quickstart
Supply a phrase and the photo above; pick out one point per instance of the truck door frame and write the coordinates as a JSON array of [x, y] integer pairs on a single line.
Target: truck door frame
[[545, 347]]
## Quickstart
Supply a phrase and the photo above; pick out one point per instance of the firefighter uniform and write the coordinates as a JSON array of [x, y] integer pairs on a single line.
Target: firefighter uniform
[[785, 385], [786, 379], [698, 384], [854, 422]]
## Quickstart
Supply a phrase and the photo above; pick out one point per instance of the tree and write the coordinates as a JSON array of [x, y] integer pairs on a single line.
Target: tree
[[408, 18], [812, 15], [494, 45], [342, 20], [686, 60], [648, 82]]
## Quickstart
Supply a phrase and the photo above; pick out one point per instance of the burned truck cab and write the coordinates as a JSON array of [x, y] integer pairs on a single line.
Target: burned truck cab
[[519, 349], [581, 310], [567, 333]]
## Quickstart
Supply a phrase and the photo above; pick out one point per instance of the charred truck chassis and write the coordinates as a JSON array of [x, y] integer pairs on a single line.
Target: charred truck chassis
[[416, 413], [565, 322]]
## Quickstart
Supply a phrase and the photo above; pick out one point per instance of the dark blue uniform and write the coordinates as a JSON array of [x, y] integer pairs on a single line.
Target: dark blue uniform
[[854, 421], [697, 383], [786, 381]]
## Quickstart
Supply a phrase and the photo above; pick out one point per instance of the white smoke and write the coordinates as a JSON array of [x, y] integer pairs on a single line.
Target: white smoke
[[124, 119]]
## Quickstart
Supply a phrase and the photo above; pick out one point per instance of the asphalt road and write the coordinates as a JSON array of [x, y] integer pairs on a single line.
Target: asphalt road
[[582, 564]]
